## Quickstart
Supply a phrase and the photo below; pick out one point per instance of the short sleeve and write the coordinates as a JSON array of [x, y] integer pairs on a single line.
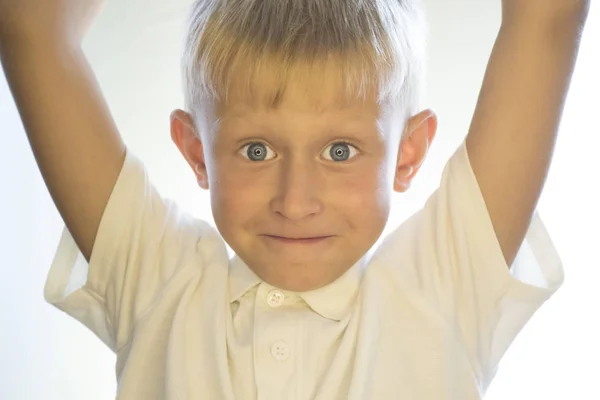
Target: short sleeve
[[454, 261], [144, 241]]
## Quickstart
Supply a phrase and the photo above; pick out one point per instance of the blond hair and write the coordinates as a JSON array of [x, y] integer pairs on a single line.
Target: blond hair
[[378, 45]]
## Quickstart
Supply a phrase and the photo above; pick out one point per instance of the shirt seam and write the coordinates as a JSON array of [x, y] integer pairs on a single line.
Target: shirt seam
[[102, 303]]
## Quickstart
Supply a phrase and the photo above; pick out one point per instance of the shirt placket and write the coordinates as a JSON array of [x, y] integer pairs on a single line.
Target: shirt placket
[[275, 345]]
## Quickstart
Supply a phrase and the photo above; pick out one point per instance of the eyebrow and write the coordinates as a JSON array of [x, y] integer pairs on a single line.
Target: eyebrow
[[353, 122], [348, 128]]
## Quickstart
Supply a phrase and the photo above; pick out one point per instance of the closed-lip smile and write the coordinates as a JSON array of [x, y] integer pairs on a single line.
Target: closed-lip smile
[[298, 240]]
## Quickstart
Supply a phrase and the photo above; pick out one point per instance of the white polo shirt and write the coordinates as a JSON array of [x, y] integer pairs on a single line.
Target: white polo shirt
[[428, 316]]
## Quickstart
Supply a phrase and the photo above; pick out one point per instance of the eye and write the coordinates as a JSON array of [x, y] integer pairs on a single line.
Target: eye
[[340, 151], [257, 151]]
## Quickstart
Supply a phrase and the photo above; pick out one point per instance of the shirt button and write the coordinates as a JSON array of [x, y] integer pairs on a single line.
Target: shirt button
[[280, 350], [275, 298]]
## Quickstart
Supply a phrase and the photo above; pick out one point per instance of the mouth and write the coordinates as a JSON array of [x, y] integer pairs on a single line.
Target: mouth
[[299, 240]]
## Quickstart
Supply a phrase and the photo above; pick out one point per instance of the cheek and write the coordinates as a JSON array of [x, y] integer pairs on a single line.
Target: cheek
[[235, 195], [365, 196]]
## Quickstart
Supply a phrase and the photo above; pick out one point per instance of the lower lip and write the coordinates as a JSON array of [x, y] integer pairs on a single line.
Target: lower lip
[[299, 241]]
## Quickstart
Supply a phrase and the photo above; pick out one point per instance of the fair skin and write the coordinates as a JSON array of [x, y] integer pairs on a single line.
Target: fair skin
[[515, 125], [297, 189]]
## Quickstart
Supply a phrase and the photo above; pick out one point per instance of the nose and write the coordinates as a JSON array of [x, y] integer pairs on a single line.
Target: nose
[[297, 195]]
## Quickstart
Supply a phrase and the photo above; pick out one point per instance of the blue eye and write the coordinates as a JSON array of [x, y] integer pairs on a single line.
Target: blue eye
[[340, 151], [257, 151]]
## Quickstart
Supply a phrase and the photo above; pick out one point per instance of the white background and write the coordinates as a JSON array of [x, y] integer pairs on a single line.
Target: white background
[[134, 51]]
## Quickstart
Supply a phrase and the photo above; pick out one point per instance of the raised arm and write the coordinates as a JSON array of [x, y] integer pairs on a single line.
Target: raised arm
[[512, 135], [73, 137]]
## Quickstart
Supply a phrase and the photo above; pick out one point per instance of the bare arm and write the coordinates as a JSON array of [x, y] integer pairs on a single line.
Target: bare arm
[[73, 137], [512, 136]]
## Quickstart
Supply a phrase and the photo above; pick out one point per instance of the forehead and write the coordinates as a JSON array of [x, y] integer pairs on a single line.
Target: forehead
[[318, 92], [298, 111]]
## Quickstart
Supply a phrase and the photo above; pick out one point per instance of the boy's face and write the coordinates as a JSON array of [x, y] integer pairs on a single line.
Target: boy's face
[[277, 176]]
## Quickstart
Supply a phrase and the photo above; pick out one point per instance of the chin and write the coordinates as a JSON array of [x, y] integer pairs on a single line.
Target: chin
[[297, 275]]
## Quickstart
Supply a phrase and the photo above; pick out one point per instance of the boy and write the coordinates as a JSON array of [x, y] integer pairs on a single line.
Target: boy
[[301, 118]]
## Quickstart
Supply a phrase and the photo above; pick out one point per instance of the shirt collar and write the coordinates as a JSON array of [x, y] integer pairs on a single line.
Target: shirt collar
[[241, 278], [332, 301]]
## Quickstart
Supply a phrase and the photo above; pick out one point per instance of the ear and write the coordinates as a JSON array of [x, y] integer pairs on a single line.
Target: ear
[[187, 140], [414, 145]]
